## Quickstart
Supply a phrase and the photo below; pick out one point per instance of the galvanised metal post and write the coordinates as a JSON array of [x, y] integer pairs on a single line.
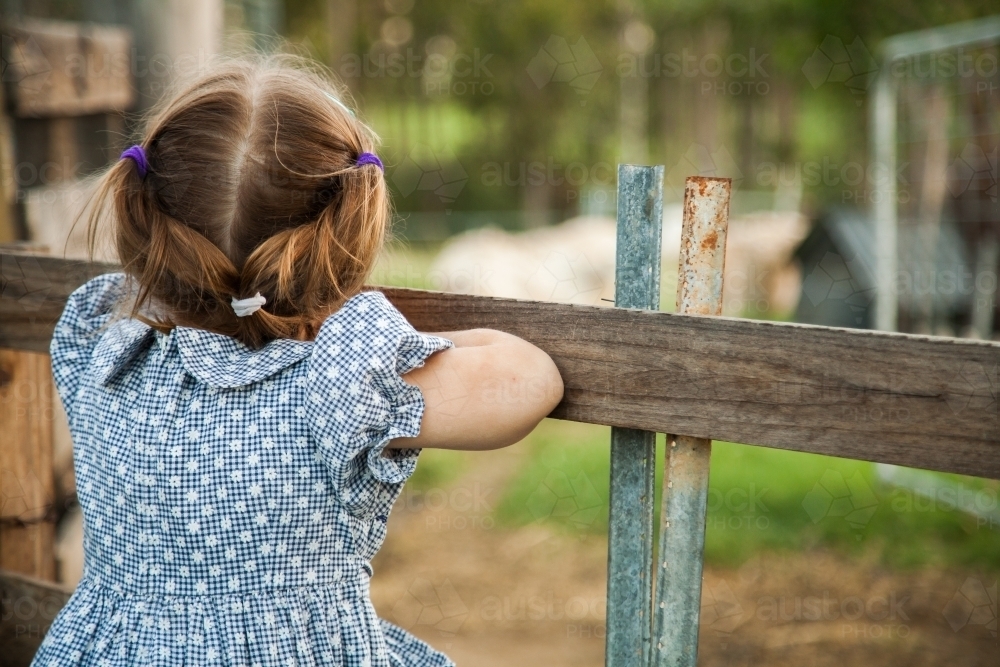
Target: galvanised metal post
[[633, 452], [685, 480]]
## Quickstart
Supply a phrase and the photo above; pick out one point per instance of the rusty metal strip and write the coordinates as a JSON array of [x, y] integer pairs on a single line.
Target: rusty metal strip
[[685, 480]]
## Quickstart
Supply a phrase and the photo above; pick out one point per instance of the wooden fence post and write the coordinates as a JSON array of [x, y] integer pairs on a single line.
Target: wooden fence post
[[633, 452], [26, 476], [685, 480]]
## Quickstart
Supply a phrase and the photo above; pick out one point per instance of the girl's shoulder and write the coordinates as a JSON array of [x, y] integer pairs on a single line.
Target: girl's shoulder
[[368, 332], [357, 401], [92, 303], [85, 328]]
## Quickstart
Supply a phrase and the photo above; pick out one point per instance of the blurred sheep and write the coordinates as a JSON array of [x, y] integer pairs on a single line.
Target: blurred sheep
[[574, 262]]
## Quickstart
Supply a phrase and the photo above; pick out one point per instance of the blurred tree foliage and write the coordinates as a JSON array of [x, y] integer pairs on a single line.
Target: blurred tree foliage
[[732, 86], [504, 105]]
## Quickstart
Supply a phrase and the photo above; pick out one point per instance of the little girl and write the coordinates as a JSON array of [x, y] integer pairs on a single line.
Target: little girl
[[243, 414]]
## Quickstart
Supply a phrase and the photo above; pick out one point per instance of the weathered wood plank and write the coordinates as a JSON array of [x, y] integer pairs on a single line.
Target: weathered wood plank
[[58, 68], [33, 293], [917, 401], [27, 609]]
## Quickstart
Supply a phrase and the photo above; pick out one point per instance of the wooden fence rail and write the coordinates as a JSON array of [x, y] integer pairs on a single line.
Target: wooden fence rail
[[918, 401]]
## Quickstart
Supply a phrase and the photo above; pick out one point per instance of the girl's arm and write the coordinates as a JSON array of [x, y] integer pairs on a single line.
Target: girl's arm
[[487, 392]]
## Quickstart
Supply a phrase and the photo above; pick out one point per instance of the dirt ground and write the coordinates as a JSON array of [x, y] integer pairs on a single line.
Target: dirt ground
[[489, 596]]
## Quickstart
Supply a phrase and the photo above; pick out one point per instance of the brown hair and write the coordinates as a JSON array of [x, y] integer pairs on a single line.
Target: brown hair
[[252, 187]]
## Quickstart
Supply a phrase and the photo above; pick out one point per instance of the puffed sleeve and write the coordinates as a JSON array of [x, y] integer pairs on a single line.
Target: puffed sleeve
[[88, 310], [357, 400]]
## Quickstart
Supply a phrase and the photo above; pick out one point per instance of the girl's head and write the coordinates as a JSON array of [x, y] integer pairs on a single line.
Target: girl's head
[[253, 185]]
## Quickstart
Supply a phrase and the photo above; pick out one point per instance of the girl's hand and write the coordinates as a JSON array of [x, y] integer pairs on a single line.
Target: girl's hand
[[487, 392]]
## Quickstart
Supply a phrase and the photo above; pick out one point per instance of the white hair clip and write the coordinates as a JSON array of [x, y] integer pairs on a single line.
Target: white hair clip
[[248, 306]]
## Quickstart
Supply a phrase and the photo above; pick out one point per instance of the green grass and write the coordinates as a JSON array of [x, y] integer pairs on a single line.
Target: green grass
[[804, 501], [759, 500], [564, 481], [437, 468]]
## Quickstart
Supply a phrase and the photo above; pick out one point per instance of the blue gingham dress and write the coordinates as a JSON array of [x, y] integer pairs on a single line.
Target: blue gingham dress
[[233, 498]]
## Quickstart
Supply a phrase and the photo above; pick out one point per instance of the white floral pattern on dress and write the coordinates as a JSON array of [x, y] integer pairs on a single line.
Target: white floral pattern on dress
[[232, 498]]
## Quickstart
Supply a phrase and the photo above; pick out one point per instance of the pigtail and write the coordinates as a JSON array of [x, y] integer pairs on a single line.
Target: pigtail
[[254, 185], [363, 216], [189, 273], [308, 270]]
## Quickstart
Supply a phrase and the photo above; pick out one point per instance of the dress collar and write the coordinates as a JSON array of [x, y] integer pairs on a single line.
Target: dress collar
[[224, 362], [119, 345], [217, 360]]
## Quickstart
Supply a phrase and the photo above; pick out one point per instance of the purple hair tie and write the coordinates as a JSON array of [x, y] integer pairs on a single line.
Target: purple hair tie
[[369, 158], [138, 154]]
